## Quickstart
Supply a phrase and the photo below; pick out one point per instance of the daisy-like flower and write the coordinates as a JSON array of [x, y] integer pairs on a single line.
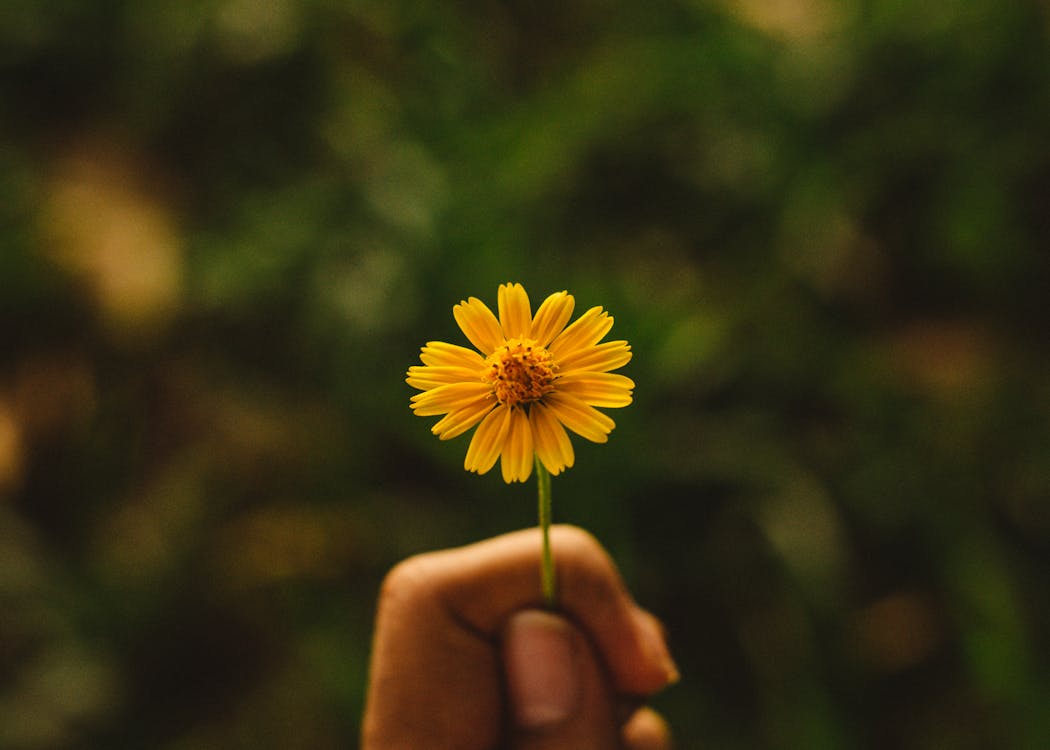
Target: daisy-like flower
[[530, 378]]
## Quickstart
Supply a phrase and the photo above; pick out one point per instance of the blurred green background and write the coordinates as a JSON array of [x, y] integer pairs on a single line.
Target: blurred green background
[[228, 226]]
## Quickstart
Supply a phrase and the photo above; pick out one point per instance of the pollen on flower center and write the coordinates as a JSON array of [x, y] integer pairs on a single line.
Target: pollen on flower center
[[520, 372]]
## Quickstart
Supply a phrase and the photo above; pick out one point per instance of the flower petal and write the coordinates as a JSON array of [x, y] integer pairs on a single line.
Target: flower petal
[[601, 358], [552, 442], [598, 388], [452, 384], [455, 423], [488, 441], [424, 377], [584, 420], [515, 313], [552, 316], [440, 354], [479, 325], [446, 398], [517, 457], [585, 332]]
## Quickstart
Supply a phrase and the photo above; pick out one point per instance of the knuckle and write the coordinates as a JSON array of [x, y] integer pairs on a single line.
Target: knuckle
[[585, 561], [408, 580]]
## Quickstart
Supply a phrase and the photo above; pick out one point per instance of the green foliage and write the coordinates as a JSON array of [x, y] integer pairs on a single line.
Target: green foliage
[[228, 227]]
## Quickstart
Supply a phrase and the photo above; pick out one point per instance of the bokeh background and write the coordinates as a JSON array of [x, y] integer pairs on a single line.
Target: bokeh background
[[228, 226]]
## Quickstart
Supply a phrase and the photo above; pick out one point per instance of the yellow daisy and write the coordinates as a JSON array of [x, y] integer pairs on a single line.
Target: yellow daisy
[[530, 378]]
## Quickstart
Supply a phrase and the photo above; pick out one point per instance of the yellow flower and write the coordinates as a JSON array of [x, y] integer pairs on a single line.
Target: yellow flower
[[530, 378]]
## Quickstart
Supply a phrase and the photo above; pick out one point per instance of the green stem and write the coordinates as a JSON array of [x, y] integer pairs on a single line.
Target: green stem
[[543, 486]]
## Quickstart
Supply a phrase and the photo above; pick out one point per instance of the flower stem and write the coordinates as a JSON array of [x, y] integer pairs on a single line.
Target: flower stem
[[543, 486]]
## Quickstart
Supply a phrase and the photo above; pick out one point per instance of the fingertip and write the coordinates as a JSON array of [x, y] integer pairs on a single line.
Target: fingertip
[[653, 637], [632, 641], [542, 672], [559, 694], [646, 730]]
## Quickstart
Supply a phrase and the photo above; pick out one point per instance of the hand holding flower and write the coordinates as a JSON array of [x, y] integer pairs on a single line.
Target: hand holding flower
[[464, 658]]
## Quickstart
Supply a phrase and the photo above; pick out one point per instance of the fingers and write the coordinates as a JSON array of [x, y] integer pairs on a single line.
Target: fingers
[[486, 582], [542, 661], [559, 694], [434, 682], [436, 678], [646, 730]]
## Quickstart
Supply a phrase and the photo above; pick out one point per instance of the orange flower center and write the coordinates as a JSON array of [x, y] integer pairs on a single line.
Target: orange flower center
[[520, 372]]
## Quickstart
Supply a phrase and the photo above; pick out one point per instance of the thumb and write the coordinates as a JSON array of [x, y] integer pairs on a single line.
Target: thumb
[[559, 694]]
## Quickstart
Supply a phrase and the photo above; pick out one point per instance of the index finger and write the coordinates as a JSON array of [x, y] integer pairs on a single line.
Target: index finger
[[482, 584]]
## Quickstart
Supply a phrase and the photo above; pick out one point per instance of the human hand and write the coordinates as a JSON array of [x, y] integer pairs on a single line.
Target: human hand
[[466, 657]]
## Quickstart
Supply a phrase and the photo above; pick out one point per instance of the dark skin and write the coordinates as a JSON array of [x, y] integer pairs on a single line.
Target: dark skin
[[466, 656]]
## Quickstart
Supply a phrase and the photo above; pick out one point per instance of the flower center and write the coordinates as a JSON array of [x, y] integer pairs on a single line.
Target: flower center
[[520, 372]]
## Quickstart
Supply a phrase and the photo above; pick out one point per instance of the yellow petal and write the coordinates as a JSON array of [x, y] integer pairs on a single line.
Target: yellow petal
[[455, 423], [552, 316], [585, 332], [552, 442], [598, 388], [516, 462], [446, 398], [487, 443], [584, 420], [425, 377], [601, 358], [479, 325], [515, 313], [440, 354]]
